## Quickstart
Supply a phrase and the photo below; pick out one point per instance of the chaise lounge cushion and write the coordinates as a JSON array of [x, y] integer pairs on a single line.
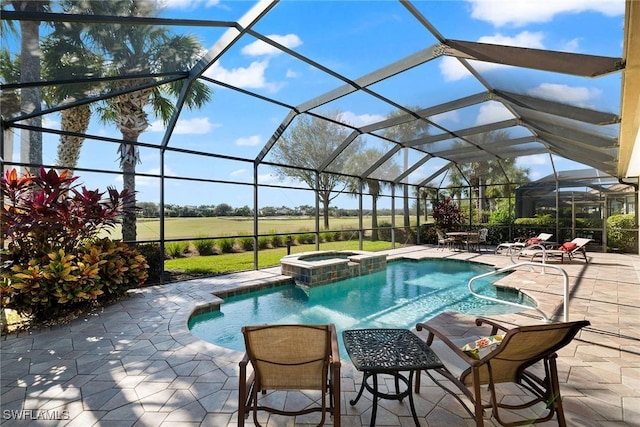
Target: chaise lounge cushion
[[568, 246]]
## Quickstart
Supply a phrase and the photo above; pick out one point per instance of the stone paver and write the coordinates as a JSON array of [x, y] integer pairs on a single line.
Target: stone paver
[[135, 363]]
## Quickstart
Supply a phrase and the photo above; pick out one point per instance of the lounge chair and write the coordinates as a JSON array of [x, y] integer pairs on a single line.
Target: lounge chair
[[570, 249], [290, 357], [443, 240], [516, 356], [522, 243]]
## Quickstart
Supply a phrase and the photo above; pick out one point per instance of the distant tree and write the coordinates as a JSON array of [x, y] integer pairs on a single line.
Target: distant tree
[[308, 143], [243, 211], [223, 209], [374, 187]]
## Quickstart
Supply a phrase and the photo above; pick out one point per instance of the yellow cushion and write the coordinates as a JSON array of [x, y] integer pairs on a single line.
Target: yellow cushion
[[482, 346]]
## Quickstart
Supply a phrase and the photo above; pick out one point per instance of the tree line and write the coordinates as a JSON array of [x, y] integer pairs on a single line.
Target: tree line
[[152, 210]]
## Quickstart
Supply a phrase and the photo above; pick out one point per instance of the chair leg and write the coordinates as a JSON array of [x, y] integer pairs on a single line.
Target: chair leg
[[477, 399]]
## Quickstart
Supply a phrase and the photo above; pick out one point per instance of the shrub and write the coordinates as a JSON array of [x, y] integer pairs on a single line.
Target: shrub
[[277, 241], [155, 260], [447, 214], [384, 231], [205, 246], [327, 236], [263, 242], [246, 243], [621, 233], [226, 245], [176, 249], [54, 260]]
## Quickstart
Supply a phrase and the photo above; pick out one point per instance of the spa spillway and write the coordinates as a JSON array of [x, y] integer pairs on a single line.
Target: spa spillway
[[321, 267]]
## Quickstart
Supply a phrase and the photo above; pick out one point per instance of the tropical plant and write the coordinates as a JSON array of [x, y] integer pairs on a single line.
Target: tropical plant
[[9, 99], [486, 177], [53, 257], [447, 214]]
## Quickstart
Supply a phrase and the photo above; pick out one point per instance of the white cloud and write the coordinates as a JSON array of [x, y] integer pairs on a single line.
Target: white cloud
[[521, 12], [195, 126], [360, 120], [238, 172], [251, 77], [523, 39], [573, 95], [259, 47], [187, 4], [449, 116], [50, 123], [452, 70], [292, 74], [250, 141], [147, 181], [491, 112], [268, 178]]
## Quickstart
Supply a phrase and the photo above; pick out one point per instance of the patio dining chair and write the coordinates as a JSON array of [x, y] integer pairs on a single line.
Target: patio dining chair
[[507, 355], [443, 240], [476, 239], [287, 358]]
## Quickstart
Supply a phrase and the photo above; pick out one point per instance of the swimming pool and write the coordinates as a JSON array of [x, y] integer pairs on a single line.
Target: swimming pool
[[406, 293]]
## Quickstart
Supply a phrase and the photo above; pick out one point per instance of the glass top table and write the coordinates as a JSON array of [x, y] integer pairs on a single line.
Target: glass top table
[[391, 352]]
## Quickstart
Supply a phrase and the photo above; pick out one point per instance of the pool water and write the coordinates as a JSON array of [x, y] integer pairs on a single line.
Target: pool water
[[406, 293]]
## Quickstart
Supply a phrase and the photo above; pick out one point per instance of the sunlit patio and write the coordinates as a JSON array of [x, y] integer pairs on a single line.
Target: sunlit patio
[[136, 363]]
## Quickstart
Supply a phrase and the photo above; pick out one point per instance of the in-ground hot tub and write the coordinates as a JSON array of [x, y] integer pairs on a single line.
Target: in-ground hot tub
[[322, 267]]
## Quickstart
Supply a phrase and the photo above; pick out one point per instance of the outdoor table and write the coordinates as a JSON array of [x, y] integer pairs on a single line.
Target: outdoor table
[[390, 352], [459, 235]]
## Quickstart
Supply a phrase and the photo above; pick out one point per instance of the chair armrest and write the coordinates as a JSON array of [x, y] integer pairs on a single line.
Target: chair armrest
[[335, 350], [495, 327], [454, 347]]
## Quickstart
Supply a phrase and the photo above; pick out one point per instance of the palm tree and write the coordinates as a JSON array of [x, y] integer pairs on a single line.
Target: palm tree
[[30, 97], [9, 99], [486, 174], [67, 56], [143, 50]]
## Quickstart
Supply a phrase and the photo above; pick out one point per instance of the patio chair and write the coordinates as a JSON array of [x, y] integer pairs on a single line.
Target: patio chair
[[515, 356], [522, 242], [476, 240], [443, 240], [570, 249], [290, 357]]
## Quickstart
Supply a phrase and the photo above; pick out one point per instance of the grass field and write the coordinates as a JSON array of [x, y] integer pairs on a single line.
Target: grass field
[[183, 228], [226, 263]]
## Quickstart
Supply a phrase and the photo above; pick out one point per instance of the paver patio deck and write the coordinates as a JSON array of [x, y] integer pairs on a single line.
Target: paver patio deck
[[136, 364]]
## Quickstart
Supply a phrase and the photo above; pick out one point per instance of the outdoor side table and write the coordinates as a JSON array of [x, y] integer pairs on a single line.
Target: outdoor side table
[[390, 352]]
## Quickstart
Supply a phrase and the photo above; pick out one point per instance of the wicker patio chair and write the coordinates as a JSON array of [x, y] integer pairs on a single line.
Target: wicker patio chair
[[513, 357], [290, 357]]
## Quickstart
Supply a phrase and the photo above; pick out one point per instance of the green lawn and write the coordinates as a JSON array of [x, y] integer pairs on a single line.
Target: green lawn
[[180, 228], [226, 263]]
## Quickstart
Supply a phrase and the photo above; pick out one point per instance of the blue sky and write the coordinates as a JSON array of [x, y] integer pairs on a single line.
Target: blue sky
[[354, 38]]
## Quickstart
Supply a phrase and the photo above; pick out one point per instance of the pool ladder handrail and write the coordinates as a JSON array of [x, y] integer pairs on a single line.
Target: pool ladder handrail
[[565, 305]]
